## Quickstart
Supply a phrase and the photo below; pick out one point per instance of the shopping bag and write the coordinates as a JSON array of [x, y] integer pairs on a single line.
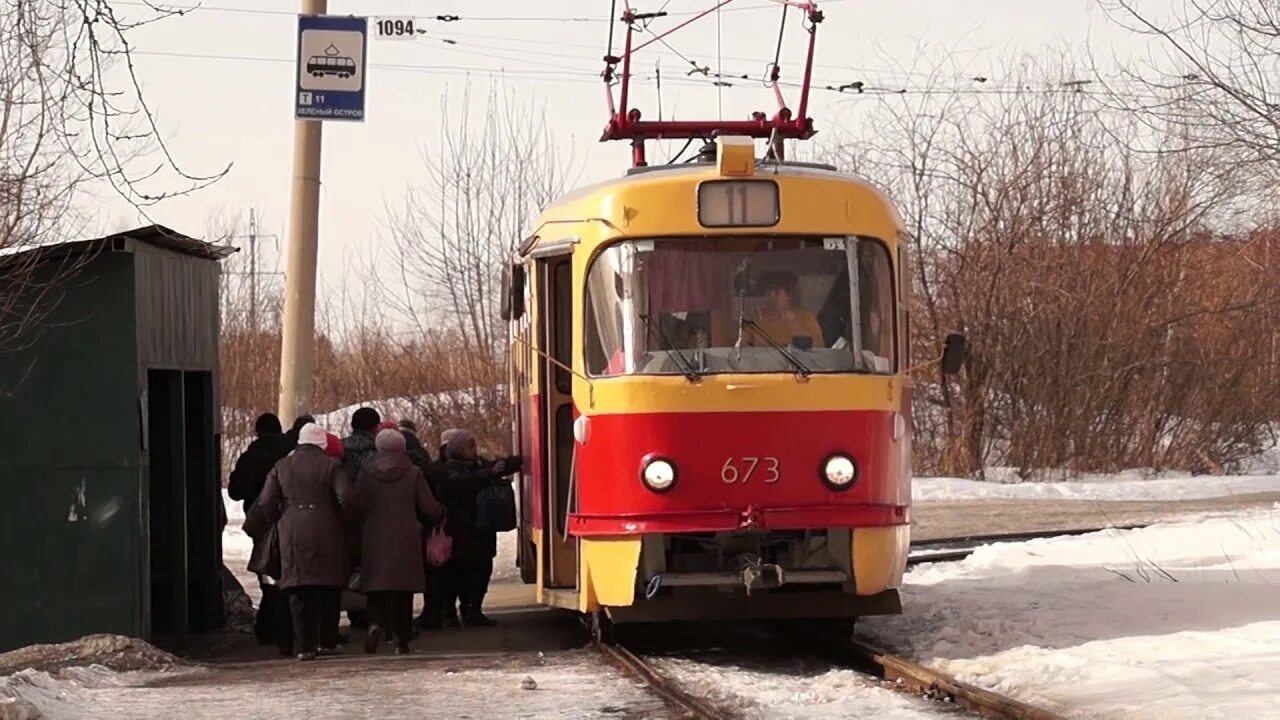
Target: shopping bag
[[439, 548]]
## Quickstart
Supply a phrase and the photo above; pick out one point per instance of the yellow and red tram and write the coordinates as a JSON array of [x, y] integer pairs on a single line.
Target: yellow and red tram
[[708, 376]]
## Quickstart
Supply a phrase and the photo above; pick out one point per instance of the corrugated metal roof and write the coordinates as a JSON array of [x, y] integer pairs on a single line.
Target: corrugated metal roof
[[155, 235]]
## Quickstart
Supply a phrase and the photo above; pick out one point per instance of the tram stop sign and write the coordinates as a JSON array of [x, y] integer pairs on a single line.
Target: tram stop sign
[[331, 67]]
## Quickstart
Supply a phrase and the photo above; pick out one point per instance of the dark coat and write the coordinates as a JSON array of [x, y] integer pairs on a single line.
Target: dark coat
[[357, 447], [309, 497], [394, 504], [252, 467], [459, 481], [416, 451]]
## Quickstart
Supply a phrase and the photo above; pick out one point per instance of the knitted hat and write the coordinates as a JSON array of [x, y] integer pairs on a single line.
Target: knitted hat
[[390, 440], [333, 448], [313, 434], [366, 418], [457, 442], [267, 424]]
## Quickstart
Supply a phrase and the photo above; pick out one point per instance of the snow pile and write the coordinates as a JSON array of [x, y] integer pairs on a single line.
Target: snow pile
[[112, 651], [1131, 485], [339, 421], [48, 681], [1172, 621]]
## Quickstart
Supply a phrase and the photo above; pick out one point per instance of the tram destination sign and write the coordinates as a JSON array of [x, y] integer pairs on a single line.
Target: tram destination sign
[[331, 67]]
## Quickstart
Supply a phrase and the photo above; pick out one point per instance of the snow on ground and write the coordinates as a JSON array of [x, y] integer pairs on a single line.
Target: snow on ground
[[573, 685], [1179, 620], [1131, 485], [794, 692]]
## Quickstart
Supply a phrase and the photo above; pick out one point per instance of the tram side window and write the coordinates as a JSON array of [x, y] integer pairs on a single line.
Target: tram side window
[[875, 305], [603, 327], [563, 289]]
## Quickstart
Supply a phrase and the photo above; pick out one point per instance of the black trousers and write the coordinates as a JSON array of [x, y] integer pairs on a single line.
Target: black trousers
[[274, 624], [441, 599], [312, 609], [472, 579], [392, 611]]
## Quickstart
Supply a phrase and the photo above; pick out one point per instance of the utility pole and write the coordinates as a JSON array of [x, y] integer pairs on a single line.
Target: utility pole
[[253, 271], [297, 356]]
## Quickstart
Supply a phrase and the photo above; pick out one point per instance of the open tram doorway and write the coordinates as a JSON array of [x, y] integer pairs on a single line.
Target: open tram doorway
[[555, 327], [184, 548]]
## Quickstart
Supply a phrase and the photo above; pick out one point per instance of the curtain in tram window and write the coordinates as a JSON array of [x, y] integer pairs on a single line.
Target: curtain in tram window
[[686, 280]]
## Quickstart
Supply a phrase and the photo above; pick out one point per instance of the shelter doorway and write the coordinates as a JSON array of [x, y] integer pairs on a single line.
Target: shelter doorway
[[184, 545]]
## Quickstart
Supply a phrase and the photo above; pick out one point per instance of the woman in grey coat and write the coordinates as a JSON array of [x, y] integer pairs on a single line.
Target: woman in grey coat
[[395, 504], [308, 497]]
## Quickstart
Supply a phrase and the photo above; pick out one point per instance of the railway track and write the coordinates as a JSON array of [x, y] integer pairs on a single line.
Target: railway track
[[671, 692], [909, 676], [954, 549], [895, 672]]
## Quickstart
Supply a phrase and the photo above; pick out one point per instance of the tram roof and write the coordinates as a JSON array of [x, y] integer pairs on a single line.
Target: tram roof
[[576, 205]]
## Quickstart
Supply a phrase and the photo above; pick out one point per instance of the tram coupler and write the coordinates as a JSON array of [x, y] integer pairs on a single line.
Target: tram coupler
[[756, 576]]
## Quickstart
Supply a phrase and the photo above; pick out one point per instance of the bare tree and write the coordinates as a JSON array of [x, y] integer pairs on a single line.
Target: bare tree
[[1113, 320], [71, 114], [494, 167], [485, 182], [1219, 82], [251, 298]]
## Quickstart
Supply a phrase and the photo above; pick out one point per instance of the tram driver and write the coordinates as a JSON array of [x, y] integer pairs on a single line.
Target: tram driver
[[782, 319]]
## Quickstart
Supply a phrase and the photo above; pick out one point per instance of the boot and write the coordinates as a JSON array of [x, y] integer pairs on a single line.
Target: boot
[[476, 618], [373, 640]]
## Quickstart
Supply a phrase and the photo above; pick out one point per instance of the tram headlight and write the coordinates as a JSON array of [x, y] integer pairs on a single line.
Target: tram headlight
[[839, 472], [659, 475]]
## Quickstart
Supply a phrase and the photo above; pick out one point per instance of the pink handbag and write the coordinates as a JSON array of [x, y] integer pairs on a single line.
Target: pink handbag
[[439, 547]]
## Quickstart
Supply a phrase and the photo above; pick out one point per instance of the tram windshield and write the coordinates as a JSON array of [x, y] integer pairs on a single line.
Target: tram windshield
[[740, 305]]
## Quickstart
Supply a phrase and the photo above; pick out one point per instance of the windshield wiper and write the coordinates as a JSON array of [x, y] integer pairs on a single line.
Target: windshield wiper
[[800, 367], [686, 367]]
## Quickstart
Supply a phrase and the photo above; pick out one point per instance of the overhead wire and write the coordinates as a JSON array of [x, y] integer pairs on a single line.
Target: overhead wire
[[585, 76], [190, 9]]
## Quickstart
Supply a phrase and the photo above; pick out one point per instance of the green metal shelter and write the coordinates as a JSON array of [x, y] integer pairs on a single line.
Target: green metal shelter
[[110, 504]]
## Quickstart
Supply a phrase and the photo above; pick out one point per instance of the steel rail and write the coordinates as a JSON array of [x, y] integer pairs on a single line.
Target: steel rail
[[918, 679], [671, 693]]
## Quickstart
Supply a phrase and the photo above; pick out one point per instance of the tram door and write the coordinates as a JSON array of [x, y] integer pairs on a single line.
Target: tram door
[[556, 325]]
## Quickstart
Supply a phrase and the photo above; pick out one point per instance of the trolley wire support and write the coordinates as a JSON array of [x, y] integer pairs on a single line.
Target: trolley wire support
[[626, 123]]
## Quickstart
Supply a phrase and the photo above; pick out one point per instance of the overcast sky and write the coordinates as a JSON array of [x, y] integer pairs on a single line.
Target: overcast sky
[[221, 82]]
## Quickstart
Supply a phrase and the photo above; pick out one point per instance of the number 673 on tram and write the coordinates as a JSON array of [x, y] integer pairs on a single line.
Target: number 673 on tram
[[709, 387]]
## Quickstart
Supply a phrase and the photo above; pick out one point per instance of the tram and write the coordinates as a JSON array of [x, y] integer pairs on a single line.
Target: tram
[[709, 386]]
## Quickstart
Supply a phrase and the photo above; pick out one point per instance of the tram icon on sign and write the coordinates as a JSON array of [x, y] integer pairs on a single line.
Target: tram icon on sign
[[332, 62], [321, 65]]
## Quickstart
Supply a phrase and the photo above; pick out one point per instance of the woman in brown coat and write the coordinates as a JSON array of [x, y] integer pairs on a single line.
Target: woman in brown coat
[[306, 496], [395, 504]]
